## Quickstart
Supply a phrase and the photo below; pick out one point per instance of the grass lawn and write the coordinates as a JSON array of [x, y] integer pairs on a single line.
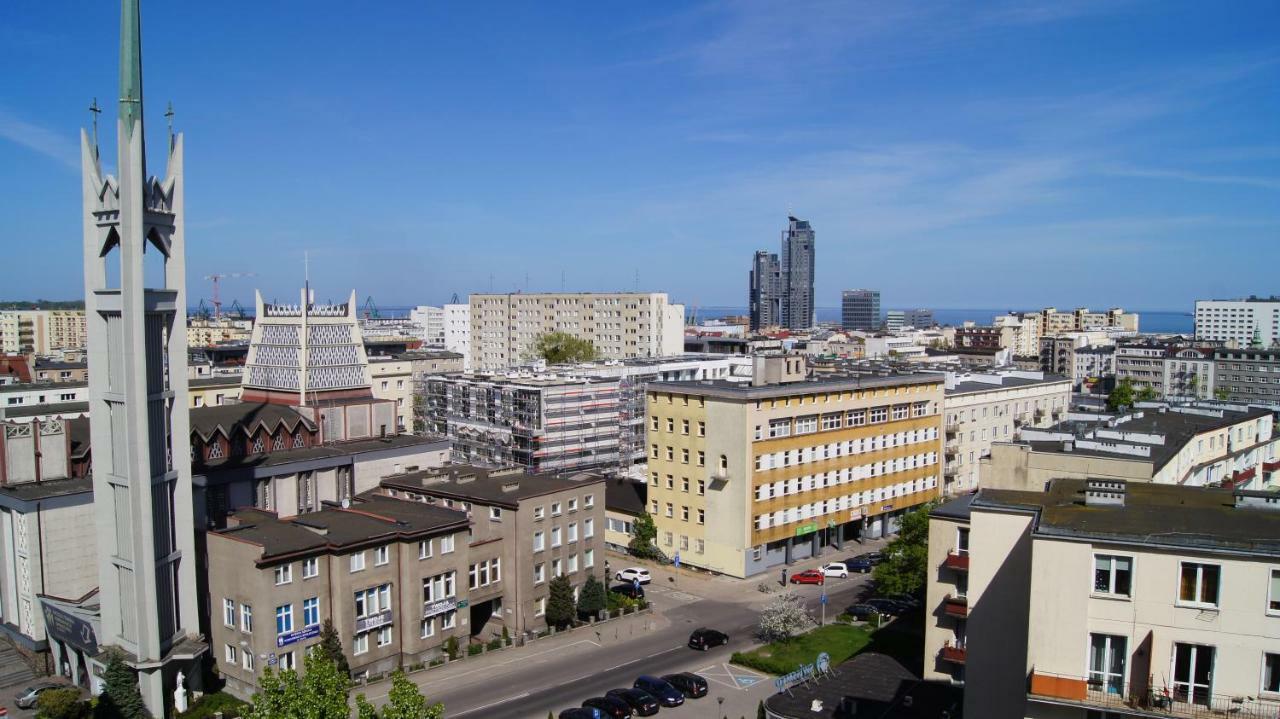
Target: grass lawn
[[841, 641]]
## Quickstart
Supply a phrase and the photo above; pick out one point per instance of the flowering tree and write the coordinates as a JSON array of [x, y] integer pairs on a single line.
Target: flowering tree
[[784, 617]]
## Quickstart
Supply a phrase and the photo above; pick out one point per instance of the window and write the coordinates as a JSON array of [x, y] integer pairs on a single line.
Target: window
[[357, 561], [879, 414], [702, 429], [1271, 673], [495, 514], [540, 607], [702, 516], [702, 458], [1273, 596], [702, 487], [539, 573], [807, 424], [381, 556], [831, 421], [573, 505], [671, 424], [684, 426], [1192, 673], [428, 628], [1112, 575], [779, 428], [555, 537], [246, 618], [573, 531], [573, 563], [483, 574], [1106, 662], [539, 541], [670, 510], [284, 619], [855, 417], [441, 586], [684, 456], [311, 612], [446, 544], [962, 541], [384, 636], [361, 644], [424, 549], [246, 659], [588, 528], [555, 507], [284, 574], [373, 600], [589, 559], [230, 654], [310, 568], [589, 501], [1198, 583], [539, 512], [653, 422], [684, 513], [229, 612]]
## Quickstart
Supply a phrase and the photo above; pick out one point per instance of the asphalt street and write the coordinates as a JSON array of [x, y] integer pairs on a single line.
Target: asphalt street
[[564, 676]]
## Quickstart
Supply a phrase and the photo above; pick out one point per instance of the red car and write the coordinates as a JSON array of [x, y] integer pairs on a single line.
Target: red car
[[808, 576]]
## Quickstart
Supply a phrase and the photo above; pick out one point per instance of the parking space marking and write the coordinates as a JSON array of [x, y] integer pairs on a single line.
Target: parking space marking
[[731, 676]]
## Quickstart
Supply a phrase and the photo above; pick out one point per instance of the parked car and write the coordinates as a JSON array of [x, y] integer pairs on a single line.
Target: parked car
[[808, 576], [862, 612], [629, 590], [611, 707], [906, 600], [642, 702], [689, 684], [26, 699], [887, 606], [860, 564], [835, 569], [631, 574], [704, 639], [582, 713], [661, 690]]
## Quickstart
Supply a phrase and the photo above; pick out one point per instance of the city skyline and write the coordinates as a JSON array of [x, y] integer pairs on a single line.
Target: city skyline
[[1104, 167]]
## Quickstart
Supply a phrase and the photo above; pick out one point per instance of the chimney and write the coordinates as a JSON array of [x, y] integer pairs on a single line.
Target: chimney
[[1104, 492]]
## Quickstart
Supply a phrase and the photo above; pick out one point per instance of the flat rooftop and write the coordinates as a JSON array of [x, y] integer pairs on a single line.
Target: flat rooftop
[[1153, 514], [38, 386], [824, 382], [371, 519], [328, 451], [525, 379], [500, 487], [1006, 382]]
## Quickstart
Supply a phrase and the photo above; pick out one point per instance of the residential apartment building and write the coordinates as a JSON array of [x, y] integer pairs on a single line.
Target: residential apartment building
[[1189, 374], [1092, 363], [391, 576], [457, 332], [1142, 364], [787, 464], [1057, 352], [1249, 322], [431, 321], [1023, 333], [860, 310], [391, 378], [206, 331], [621, 325], [29, 394], [1105, 598], [983, 408], [765, 291], [214, 390], [41, 332], [1194, 444], [537, 526], [920, 318], [1082, 320], [1247, 375]]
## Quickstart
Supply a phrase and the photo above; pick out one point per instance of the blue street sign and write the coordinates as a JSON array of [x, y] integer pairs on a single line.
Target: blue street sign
[[677, 559], [824, 597]]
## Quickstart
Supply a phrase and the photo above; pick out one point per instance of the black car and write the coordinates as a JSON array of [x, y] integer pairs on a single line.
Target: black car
[[906, 600], [861, 564], [887, 606], [689, 684], [629, 590], [612, 707], [579, 713], [704, 639], [862, 611], [661, 690], [642, 702]]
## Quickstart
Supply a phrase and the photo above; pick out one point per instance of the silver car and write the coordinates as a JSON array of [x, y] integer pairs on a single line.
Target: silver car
[[26, 699]]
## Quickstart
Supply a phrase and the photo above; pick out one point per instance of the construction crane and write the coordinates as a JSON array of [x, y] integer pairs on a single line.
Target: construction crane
[[237, 310], [217, 297], [202, 310], [370, 309]]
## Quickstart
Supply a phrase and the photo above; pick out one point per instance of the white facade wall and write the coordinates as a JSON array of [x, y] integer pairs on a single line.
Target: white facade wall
[[432, 321], [1237, 320], [457, 332]]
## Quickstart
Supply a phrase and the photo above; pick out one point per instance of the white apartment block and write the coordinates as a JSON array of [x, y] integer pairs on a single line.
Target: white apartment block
[[1101, 598], [1023, 333], [1242, 322], [622, 325], [983, 408], [1189, 374], [431, 320], [457, 331], [41, 332]]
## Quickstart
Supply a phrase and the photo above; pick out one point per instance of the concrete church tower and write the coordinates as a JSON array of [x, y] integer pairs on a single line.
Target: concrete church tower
[[138, 397]]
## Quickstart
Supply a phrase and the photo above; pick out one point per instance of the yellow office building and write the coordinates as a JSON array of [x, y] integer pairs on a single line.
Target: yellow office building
[[744, 477]]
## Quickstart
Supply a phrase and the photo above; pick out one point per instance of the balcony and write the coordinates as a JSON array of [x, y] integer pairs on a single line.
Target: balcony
[[951, 470], [956, 562], [952, 654], [1093, 693], [956, 606], [951, 427]]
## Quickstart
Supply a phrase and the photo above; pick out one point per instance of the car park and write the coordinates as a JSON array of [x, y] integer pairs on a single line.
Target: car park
[[906, 600], [835, 569], [641, 702], [633, 574], [808, 576], [859, 564], [628, 590], [689, 684], [661, 690], [611, 707], [26, 699], [704, 638], [886, 606], [862, 612], [581, 713]]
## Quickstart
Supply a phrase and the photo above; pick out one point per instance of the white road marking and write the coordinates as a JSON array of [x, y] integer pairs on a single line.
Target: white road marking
[[521, 695]]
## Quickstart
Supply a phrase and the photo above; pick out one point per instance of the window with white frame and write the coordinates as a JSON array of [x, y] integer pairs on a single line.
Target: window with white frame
[[495, 514], [589, 559], [372, 601], [284, 619], [441, 586], [1112, 575], [482, 574], [1198, 583], [246, 660], [246, 618], [539, 542], [556, 567], [588, 528], [831, 421], [1273, 592], [384, 636], [879, 414], [229, 653], [779, 428], [573, 563], [539, 512], [449, 619], [311, 612], [229, 612], [555, 509], [807, 424], [446, 544], [588, 501], [428, 628], [357, 561], [573, 531], [361, 644], [424, 549], [540, 607], [573, 505], [284, 574], [539, 573], [1271, 673], [310, 567], [555, 537], [381, 556]]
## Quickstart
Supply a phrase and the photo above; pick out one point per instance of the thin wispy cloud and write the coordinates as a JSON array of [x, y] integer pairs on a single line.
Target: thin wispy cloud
[[39, 139], [1265, 183]]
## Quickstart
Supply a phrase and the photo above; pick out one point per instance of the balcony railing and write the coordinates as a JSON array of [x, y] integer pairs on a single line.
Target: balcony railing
[[956, 606], [953, 654], [956, 561], [1095, 693]]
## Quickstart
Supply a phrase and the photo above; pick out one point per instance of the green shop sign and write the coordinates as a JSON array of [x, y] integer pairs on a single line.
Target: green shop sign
[[806, 529]]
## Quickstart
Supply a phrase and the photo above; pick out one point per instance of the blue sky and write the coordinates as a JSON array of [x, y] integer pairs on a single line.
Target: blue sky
[[992, 154]]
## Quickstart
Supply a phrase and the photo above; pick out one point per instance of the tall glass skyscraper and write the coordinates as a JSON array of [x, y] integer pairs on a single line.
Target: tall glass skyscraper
[[781, 292]]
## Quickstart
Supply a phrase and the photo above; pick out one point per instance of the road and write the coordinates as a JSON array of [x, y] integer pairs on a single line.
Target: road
[[564, 676]]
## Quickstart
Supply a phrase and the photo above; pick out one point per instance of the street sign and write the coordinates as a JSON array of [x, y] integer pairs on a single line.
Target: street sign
[[824, 596], [677, 559]]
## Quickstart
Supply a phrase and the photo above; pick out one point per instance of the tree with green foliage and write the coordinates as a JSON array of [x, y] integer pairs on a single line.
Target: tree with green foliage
[[559, 602], [562, 347], [591, 600], [451, 647], [1122, 396], [1222, 394], [1146, 393], [320, 693], [405, 701], [330, 646], [120, 698], [906, 558], [644, 535], [62, 704]]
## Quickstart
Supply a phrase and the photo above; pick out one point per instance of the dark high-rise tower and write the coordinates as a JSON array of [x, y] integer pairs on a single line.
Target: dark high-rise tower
[[860, 310], [766, 290], [797, 275]]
